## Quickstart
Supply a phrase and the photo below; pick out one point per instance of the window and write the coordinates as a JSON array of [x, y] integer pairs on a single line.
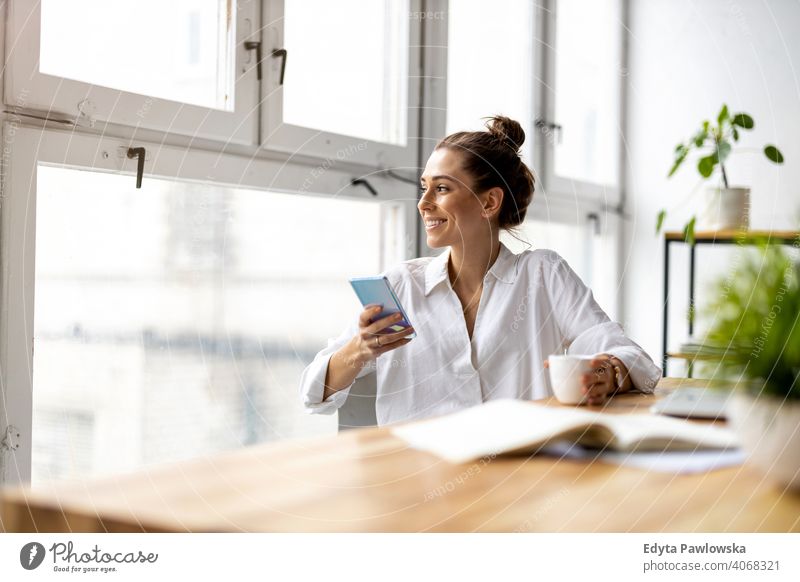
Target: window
[[490, 67], [587, 90], [581, 108], [188, 56], [179, 67], [356, 83], [359, 90], [174, 320]]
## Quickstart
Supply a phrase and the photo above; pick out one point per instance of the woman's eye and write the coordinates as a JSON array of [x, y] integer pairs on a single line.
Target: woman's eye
[[441, 188]]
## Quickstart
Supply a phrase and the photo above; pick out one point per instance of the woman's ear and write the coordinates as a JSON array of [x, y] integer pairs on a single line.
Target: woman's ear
[[492, 202]]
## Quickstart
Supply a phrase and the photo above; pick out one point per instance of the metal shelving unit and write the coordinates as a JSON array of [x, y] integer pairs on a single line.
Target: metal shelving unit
[[710, 237]]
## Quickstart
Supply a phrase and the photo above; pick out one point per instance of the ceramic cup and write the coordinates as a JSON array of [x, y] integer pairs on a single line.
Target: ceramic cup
[[565, 377]]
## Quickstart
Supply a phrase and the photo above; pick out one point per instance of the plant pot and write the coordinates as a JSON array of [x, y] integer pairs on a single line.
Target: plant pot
[[724, 209], [769, 429]]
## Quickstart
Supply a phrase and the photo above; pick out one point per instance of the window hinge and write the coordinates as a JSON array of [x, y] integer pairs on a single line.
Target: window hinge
[[10, 441]]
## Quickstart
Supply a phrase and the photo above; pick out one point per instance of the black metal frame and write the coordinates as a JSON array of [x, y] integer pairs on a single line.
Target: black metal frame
[[725, 240]]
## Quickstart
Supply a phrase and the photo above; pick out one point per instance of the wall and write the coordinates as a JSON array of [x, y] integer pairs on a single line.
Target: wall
[[686, 59]]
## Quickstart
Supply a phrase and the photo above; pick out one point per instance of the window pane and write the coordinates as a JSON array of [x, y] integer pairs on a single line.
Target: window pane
[[489, 64], [175, 320], [347, 67], [587, 90], [181, 50]]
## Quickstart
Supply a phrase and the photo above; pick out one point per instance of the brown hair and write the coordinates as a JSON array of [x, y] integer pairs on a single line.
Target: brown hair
[[492, 159]]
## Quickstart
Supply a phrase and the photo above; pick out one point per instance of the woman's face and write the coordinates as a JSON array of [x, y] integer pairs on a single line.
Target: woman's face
[[451, 210]]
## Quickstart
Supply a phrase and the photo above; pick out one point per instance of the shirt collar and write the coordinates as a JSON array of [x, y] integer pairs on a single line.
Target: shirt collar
[[504, 268]]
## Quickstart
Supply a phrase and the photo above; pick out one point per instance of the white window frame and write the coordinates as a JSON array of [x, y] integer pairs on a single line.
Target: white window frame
[[33, 145], [293, 139], [89, 105], [561, 185]]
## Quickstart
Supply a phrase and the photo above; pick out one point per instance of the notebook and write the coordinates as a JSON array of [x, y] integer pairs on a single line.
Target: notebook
[[519, 426]]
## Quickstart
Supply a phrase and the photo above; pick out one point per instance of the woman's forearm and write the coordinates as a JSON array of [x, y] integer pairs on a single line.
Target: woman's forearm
[[343, 367]]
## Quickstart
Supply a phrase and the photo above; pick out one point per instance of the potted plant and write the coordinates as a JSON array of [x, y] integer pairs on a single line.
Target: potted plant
[[755, 326], [724, 207]]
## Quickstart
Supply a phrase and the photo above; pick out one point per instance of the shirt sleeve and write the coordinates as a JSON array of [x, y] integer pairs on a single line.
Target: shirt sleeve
[[586, 329], [312, 381]]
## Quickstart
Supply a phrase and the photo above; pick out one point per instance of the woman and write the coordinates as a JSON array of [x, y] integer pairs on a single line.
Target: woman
[[486, 319]]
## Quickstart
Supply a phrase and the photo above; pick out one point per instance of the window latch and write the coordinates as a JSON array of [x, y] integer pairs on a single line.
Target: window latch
[[282, 54], [139, 154], [254, 45], [548, 128]]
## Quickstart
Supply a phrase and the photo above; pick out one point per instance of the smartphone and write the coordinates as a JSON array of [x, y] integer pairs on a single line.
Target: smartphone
[[378, 291]]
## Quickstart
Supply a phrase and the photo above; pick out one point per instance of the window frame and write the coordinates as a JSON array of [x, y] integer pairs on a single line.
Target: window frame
[[26, 87]]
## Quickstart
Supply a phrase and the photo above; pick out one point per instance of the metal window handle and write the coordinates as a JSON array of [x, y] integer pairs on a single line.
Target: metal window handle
[[549, 126], [139, 154], [282, 54], [256, 46], [594, 218], [363, 182]]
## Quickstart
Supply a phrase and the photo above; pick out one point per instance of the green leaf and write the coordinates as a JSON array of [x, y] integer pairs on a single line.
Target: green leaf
[[700, 137], [660, 220], [723, 151], [706, 125], [706, 165], [735, 134], [680, 154], [774, 154], [743, 120], [723, 115], [688, 231]]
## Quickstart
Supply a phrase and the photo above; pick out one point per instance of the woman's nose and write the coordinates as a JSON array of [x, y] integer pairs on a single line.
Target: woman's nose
[[425, 200]]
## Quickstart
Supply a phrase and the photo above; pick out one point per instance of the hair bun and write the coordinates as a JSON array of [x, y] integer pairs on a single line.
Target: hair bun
[[507, 131]]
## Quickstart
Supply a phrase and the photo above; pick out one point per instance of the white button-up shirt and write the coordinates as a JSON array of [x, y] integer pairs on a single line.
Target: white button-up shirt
[[532, 305]]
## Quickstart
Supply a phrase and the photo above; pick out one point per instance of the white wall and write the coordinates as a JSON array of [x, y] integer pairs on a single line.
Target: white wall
[[687, 57]]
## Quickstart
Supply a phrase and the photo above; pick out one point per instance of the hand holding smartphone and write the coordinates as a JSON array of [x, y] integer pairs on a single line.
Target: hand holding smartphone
[[378, 291]]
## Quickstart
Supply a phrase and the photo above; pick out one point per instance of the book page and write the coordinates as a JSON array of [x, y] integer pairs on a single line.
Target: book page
[[506, 425], [492, 428], [653, 432]]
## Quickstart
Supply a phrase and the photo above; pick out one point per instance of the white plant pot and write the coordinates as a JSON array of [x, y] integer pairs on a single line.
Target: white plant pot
[[724, 209], [769, 429]]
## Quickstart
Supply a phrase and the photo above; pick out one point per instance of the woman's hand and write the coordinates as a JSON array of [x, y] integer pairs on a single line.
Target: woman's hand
[[602, 383], [369, 343], [366, 345]]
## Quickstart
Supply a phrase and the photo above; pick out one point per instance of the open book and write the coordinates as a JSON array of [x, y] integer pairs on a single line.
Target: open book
[[516, 426]]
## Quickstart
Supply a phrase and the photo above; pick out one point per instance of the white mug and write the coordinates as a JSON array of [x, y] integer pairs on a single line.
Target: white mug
[[565, 377]]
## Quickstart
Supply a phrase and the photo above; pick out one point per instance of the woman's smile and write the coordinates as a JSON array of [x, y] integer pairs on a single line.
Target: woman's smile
[[431, 223]]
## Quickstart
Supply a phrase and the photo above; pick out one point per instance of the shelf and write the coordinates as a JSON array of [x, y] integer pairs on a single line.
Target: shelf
[[731, 235], [689, 356]]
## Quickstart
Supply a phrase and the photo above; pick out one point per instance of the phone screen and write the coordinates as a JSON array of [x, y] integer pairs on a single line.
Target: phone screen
[[378, 291]]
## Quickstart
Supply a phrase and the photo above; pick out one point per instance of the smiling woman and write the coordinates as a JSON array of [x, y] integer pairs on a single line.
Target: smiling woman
[[486, 319]]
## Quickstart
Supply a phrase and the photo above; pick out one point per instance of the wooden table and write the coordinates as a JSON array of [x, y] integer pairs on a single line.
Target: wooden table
[[368, 480]]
